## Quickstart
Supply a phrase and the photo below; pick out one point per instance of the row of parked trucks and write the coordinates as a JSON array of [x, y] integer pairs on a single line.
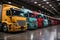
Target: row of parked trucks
[[15, 19]]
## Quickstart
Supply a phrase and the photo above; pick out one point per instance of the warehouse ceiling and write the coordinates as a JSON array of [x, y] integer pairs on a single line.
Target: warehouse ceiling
[[48, 7], [52, 6]]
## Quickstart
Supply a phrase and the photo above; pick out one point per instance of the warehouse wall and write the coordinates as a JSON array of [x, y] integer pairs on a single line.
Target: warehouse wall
[[0, 11]]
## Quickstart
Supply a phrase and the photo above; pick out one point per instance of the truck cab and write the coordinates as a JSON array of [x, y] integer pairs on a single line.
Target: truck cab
[[31, 19], [11, 19], [40, 21]]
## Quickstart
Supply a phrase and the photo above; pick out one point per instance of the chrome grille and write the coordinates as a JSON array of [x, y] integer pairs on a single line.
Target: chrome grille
[[21, 23], [34, 22]]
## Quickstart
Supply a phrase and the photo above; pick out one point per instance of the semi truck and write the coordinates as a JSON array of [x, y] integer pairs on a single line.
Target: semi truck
[[11, 20], [39, 19], [31, 19]]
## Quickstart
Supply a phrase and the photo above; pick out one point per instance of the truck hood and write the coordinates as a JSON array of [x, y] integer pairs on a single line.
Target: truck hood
[[15, 18], [32, 19]]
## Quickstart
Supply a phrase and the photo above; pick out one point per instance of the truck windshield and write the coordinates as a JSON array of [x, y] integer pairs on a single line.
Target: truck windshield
[[38, 16], [26, 15], [17, 13], [45, 17], [32, 15], [14, 12]]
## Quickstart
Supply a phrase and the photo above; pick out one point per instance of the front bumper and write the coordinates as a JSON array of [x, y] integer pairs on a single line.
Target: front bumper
[[17, 28], [32, 26]]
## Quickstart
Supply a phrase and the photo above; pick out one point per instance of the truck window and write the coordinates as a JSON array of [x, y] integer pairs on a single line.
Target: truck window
[[31, 15], [26, 15], [16, 12], [38, 16], [8, 12], [44, 17]]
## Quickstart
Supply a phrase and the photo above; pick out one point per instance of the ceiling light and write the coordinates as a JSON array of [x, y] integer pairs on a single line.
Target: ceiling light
[[22, 6], [39, 4], [9, 2], [47, 2], [50, 5], [45, 8], [42, 6], [35, 2], [59, 3], [58, 0], [44, 0]]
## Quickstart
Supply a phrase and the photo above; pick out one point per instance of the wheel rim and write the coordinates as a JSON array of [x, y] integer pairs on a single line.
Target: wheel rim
[[4, 28]]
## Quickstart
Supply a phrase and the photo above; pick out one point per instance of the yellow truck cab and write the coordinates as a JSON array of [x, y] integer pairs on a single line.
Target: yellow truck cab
[[11, 21]]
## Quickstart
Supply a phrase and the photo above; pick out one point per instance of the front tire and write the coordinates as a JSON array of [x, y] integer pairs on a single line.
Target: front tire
[[5, 29]]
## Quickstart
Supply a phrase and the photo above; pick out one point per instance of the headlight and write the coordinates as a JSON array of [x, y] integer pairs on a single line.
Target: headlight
[[15, 24]]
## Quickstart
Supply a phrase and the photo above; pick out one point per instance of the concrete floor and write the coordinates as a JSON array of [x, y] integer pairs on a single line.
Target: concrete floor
[[50, 33]]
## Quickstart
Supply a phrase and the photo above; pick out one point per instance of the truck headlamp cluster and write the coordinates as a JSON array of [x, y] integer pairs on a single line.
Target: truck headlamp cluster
[[15, 24]]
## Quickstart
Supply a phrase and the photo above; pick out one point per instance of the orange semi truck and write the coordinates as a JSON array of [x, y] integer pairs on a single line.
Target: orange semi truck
[[11, 21]]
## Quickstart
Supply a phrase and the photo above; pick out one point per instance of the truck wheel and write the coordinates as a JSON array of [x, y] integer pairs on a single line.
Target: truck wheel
[[5, 29]]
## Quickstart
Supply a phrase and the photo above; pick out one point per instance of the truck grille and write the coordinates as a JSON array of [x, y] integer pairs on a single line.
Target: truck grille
[[21, 22], [34, 22]]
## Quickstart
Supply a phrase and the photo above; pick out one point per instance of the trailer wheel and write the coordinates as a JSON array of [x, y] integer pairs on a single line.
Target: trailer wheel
[[5, 29]]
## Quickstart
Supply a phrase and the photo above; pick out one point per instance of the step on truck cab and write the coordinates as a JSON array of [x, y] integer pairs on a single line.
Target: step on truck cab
[[11, 20], [31, 19]]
